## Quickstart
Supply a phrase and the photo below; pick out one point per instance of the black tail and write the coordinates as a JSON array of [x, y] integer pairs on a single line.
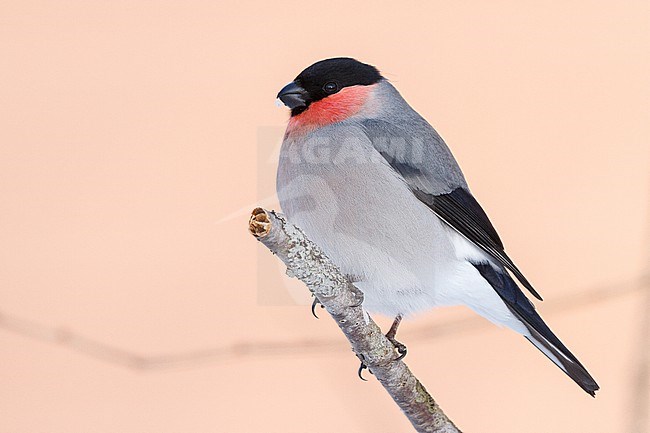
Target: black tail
[[540, 334], [565, 360]]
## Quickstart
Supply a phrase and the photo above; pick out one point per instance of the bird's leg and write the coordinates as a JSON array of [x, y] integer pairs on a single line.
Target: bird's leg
[[401, 349]]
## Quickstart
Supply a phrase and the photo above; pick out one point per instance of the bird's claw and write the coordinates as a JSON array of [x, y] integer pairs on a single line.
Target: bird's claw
[[362, 367], [313, 307], [401, 349], [357, 304]]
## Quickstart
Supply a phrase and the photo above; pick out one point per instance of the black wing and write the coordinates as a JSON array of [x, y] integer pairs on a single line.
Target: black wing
[[462, 212], [430, 171]]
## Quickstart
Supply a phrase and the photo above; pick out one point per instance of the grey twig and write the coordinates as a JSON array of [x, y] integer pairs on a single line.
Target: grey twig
[[342, 300]]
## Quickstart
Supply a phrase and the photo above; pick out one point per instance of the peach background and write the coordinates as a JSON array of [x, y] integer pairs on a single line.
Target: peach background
[[131, 144]]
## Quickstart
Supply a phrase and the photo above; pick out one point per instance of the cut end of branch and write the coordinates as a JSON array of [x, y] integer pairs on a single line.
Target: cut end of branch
[[306, 261], [259, 224]]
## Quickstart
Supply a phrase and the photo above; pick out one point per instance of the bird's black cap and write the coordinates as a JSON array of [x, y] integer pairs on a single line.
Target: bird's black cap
[[325, 78]]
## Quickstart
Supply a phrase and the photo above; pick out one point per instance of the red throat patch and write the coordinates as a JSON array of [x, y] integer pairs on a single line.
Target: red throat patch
[[334, 108]]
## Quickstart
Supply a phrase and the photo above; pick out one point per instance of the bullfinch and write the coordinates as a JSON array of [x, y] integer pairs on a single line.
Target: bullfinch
[[376, 187]]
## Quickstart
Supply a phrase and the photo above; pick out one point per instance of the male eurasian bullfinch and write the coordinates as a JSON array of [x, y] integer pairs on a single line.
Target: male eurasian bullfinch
[[375, 186]]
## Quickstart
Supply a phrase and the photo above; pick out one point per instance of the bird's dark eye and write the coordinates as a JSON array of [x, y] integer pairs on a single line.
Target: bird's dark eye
[[331, 87]]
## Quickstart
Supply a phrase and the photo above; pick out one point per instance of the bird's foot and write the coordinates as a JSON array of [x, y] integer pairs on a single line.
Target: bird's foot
[[401, 348], [358, 294], [392, 332]]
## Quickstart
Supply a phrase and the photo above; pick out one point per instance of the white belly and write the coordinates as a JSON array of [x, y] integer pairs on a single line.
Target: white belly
[[398, 252]]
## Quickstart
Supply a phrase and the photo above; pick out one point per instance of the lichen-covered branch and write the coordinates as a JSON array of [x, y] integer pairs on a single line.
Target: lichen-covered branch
[[342, 300]]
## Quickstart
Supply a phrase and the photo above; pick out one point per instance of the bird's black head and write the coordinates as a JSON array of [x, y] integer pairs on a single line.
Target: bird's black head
[[325, 78]]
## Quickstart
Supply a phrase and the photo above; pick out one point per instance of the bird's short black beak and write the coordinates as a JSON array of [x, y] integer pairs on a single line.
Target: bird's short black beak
[[294, 96]]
